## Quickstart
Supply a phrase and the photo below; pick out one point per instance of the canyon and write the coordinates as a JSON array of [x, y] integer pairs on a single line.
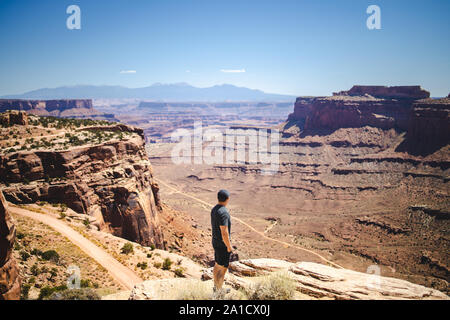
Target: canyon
[[363, 180], [362, 183]]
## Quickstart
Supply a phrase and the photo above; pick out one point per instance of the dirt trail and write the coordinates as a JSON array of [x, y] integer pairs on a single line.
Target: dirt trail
[[126, 277], [262, 234]]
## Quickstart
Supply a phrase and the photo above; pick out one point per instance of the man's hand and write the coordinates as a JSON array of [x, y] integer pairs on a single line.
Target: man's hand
[[229, 249]]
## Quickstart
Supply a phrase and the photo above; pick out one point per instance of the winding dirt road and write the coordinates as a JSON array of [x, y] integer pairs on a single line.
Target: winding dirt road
[[125, 276]]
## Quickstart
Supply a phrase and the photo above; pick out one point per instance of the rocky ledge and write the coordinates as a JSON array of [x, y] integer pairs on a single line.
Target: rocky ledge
[[9, 273], [311, 280], [318, 280]]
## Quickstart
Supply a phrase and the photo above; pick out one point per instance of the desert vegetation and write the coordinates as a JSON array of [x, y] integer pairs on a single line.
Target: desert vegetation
[[52, 133], [44, 257]]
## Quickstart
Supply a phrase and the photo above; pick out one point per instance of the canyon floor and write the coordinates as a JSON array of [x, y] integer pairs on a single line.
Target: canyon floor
[[354, 203]]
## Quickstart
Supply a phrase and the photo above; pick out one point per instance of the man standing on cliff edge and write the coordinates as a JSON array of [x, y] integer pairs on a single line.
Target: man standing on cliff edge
[[220, 227]]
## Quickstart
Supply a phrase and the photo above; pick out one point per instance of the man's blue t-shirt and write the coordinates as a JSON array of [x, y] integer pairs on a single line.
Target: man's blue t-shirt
[[219, 217]]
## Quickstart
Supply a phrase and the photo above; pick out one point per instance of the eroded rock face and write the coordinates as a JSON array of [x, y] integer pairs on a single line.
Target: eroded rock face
[[429, 126], [318, 280], [74, 108], [9, 273], [404, 108], [14, 117], [42, 106], [111, 181], [331, 113]]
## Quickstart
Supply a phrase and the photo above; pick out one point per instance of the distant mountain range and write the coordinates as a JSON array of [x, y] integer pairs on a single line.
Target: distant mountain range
[[156, 92]]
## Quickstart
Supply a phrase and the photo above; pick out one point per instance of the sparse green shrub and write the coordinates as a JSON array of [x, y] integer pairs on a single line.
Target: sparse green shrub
[[149, 255], [24, 290], [276, 286], [85, 283], [152, 247], [53, 273], [127, 248], [75, 294], [179, 272], [142, 265], [17, 246], [36, 252], [157, 265], [194, 289], [47, 291], [24, 255], [167, 264], [50, 255], [34, 269], [87, 223], [20, 235]]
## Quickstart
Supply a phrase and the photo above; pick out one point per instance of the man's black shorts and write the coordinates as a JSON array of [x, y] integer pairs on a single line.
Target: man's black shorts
[[222, 256]]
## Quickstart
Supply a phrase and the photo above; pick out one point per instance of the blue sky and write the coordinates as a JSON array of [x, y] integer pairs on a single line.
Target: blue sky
[[292, 47]]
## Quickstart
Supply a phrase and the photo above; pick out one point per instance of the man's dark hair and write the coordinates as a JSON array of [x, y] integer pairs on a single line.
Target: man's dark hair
[[223, 195]]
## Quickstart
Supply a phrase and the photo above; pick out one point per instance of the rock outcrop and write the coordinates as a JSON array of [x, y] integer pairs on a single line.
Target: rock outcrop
[[73, 108], [404, 108], [319, 281], [429, 127], [375, 106], [111, 181], [396, 92], [14, 117], [311, 280], [9, 273]]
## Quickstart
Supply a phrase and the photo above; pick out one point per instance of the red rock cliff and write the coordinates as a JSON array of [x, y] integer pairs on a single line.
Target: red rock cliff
[[429, 127], [73, 108], [112, 181], [375, 106], [402, 108], [9, 273], [397, 92]]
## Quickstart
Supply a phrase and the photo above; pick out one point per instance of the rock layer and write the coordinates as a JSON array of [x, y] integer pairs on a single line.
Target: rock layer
[[9, 273], [396, 92], [74, 108]]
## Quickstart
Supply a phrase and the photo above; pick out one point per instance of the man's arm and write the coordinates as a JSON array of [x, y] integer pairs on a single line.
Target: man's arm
[[226, 237]]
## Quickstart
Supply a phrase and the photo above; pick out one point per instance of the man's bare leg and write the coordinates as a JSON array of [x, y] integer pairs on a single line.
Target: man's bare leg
[[219, 275]]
